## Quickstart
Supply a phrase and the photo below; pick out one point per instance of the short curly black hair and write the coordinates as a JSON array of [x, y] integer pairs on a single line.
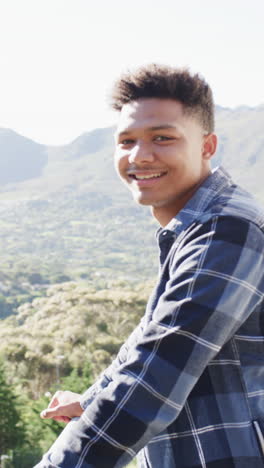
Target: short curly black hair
[[159, 81]]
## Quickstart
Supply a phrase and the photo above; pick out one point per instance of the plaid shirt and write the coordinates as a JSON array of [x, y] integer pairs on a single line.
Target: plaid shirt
[[187, 388]]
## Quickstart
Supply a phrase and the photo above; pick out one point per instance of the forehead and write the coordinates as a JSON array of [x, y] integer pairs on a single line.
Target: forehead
[[152, 112]]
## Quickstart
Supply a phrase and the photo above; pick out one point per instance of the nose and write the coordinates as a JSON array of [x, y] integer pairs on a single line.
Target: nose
[[140, 153]]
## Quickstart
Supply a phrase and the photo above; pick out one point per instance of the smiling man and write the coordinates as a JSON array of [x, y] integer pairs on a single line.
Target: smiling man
[[162, 154], [186, 389]]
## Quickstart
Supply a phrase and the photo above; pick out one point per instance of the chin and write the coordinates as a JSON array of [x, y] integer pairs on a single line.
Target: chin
[[146, 199], [142, 200]]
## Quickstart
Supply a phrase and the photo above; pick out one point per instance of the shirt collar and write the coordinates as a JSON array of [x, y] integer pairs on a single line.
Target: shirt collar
[[213, 184]]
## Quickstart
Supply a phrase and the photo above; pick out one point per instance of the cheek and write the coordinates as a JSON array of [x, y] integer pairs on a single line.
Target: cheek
[[119, 163], [173, 155]]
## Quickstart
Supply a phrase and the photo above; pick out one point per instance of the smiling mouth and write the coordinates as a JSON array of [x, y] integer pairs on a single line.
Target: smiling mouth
[[146, 176]]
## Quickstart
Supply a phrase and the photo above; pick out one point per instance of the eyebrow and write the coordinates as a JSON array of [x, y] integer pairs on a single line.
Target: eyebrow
[[151, 129]]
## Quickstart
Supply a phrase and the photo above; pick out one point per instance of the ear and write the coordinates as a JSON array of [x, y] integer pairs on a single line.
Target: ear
[[209, 146]]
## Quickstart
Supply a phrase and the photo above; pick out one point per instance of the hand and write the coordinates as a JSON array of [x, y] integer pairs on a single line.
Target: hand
[[63, 407]]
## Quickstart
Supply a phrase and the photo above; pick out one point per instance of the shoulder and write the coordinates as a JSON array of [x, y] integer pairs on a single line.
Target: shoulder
[[227, 237], [235, 203], [224, 227]]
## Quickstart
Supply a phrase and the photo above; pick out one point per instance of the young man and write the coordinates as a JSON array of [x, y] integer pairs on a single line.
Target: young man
[[186, 389]]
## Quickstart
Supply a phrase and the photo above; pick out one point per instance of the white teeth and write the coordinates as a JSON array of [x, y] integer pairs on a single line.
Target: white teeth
[[151, 176]]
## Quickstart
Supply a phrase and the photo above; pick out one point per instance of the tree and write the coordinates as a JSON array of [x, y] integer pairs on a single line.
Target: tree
[[11, 430], [40, 434]]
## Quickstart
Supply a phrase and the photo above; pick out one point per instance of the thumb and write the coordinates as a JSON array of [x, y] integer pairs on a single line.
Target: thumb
[[51, 412]]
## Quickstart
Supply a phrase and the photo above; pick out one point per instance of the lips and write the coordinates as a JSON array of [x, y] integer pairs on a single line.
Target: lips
[[146, 176]]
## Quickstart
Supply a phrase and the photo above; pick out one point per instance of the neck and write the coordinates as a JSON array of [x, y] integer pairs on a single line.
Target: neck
[[164, 213], [164, 216]]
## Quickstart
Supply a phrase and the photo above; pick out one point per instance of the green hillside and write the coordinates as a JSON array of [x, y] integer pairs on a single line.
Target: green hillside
[[61, 341]]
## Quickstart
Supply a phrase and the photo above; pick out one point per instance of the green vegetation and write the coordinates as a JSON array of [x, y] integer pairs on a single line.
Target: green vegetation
[[69, 326], [23, 435], [11, 429], [61, 340]]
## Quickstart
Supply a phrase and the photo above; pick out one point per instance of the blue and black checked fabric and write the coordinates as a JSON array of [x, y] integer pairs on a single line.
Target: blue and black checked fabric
[[187, 388]]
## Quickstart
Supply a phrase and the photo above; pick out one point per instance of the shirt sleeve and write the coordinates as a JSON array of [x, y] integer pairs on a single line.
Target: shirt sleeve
[[215, 281], [106, 376]]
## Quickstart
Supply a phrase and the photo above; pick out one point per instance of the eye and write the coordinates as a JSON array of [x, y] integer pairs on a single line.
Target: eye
[[126, 142], [162, 138]]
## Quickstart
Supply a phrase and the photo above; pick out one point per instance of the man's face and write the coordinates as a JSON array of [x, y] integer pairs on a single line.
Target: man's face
[[162, 154]]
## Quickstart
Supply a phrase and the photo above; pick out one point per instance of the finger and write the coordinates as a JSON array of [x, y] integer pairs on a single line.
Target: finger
[[55, 399], [63, 419], [50, 412], [46, 414], [69, 410]]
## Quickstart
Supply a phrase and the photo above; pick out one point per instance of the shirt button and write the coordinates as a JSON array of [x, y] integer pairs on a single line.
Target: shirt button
[[165, 233]]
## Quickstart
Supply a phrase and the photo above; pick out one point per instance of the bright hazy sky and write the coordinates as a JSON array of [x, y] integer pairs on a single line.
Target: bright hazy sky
[[59, 58]]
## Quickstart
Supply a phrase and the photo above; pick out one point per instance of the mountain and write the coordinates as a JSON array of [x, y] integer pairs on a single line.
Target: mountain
[[20, 157], [64, 215], [31, 166], [241, 145]]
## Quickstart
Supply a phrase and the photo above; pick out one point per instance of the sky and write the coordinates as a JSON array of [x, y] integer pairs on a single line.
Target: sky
[[59, 58]]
